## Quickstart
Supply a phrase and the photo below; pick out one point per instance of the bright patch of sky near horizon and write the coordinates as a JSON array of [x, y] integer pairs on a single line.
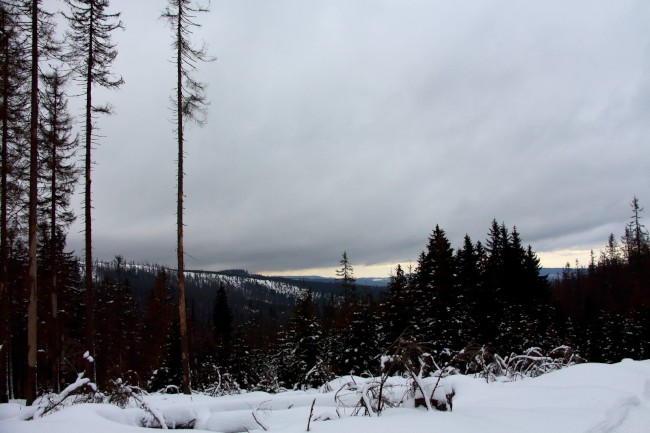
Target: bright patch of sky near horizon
[[553, 259], [359, 125]]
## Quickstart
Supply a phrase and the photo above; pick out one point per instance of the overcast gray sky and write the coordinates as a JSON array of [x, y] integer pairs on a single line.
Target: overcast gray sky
[[359, 125]]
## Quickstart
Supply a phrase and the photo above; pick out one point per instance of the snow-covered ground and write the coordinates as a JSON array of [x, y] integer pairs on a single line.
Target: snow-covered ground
[[589, 398]]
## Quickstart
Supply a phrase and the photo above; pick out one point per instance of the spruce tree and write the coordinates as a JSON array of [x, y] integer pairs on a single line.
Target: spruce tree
[[119, 326], [42, 45], [190, 103], [468, 265], [58, 172], [91, 53], [357, 342], [396, 307], [222, 319], [300, 357], [14, 104], [496, 246], [469, 284], [32, 299], [158, 316], [345, 277], [636, 239], [435, 279], [58, 175]]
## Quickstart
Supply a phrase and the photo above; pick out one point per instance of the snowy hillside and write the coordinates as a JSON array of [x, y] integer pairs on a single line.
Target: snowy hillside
[[585, 398], [245, 282], [239, 279], [246, 292]]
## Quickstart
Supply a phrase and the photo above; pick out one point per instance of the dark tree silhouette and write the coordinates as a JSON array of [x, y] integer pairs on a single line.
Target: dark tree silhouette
[[636, 239], [158, 316], [91, 54], [396, 307], [30, 383], [59, 175], [222, 320], [435, 289], [189, 105], [14, 102], [300, 354], [345, 277]]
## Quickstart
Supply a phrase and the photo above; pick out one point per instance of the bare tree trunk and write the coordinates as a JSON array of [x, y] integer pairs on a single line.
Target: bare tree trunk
[[54, 268], [30, 383], [185, 358], [190, 103], [90, 316], [4, 254], [10, 374], [91, 52]]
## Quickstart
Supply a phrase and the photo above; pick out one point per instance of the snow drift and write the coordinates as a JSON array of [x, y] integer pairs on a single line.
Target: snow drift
[[589, 398]]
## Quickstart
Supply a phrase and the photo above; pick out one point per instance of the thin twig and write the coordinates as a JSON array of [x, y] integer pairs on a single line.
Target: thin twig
[[311, 413], [258, 421]]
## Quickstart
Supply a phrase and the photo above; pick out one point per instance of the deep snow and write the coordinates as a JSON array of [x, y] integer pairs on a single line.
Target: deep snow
[[589, 398]]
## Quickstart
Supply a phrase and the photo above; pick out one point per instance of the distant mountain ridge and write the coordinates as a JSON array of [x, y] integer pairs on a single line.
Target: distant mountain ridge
[[366, 281], [551, 273], [251, 296]]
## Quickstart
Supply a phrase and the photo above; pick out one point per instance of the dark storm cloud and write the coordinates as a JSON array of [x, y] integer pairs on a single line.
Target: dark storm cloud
[[359, 125]]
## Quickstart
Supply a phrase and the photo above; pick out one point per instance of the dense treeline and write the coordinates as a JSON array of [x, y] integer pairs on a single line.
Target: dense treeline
[[39, 167], [606, 305], [488, 296], [39, 173], [480, 298]]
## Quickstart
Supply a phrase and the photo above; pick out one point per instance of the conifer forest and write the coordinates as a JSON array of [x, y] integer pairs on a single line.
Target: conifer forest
[[159, 327]]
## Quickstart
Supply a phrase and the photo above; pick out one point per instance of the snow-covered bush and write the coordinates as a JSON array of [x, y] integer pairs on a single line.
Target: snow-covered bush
[[408, 372], [533, 362], [161, 378], [124, 395], [483, 361], [368, 395], [264, 378], [81, 391], [415, 362], [121, 394], [217, 381]]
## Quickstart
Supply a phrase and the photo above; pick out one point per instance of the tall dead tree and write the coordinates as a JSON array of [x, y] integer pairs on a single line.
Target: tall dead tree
[[42, 43], [4, 166], [14, 106], [30, 382], [59, 175], [190, 104], [91, 54]]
